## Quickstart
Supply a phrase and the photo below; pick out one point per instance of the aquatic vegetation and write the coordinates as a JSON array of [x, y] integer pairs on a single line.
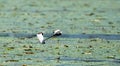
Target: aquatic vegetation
[[90, 32]]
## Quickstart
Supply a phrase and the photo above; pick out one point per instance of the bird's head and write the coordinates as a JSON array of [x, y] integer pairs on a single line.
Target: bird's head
[[40, 33]]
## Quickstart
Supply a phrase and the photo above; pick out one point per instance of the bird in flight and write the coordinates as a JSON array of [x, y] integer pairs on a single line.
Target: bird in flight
[[41, 37]]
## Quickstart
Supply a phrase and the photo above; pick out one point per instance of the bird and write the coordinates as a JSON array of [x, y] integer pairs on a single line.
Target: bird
[[41, 37], [55, 34]]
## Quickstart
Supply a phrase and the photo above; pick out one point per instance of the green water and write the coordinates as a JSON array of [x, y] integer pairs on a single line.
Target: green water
[[73, 17]]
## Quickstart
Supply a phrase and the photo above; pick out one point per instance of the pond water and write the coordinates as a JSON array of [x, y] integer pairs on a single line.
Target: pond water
[[91, 33]]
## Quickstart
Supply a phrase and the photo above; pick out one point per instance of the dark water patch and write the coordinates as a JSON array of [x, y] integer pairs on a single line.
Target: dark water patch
[[63, 59], [17, 35], [88, 36], [84, 60], [4, 34], [75, 59], [40, 11], [92, 60], [116, 60], [82, 36]]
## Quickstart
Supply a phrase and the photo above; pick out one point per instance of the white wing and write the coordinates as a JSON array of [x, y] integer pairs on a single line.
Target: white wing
[[40, 37]]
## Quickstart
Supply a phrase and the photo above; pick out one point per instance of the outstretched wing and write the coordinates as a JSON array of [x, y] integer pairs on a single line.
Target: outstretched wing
[[40, 37]]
